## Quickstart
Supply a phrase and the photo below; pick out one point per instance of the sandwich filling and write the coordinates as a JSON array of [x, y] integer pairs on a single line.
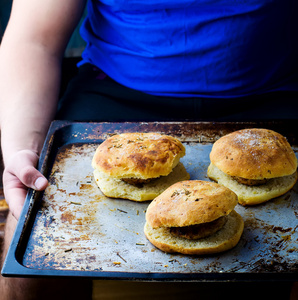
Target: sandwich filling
[[250, 182], [199, 231], [138, 182]]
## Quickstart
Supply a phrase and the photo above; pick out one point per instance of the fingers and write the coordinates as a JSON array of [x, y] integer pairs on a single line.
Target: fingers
[[22, 165], [15, 197], [19, 174]]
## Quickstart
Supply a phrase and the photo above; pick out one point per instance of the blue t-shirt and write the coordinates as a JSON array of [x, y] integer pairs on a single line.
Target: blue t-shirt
[[186, 48]]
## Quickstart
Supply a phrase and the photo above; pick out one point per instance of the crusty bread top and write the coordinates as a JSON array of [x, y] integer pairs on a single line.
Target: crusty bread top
[[254, 154], [190, 202], [138, 155]]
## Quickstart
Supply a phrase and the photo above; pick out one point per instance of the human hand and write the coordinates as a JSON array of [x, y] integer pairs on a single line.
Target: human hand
[[20, 173]]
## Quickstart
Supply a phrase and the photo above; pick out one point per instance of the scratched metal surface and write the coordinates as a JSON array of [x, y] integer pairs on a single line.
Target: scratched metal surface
[[77, 228]]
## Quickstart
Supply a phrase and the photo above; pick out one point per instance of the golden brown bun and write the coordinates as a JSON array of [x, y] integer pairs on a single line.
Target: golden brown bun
[[254, 154], [190, 202], [116, 188], [252, 195], [138, 155], [224, 239]]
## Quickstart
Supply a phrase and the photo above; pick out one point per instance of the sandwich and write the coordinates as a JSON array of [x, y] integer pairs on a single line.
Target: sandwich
[[194, 217], [257, 164], [138, 166]]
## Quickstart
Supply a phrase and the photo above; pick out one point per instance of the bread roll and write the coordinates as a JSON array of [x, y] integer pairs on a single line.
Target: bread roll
[[254, 154], [192, 203], [257, 164], [138, 155], [138, 166]]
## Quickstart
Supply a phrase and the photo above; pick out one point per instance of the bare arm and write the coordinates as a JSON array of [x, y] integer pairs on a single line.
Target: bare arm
[[30, 58]]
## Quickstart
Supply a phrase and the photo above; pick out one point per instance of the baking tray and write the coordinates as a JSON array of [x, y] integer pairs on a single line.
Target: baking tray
[[72, 230]]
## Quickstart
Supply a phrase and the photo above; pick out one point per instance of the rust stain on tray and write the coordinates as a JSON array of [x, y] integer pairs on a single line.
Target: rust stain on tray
[[67, 217], [66, 222]]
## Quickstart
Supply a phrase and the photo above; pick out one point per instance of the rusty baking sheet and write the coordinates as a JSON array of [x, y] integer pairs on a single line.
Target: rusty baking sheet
[[72, 229]]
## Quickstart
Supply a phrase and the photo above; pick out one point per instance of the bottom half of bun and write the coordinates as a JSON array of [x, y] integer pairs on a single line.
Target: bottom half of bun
[[116, 188], [252, 195], [224, 239]]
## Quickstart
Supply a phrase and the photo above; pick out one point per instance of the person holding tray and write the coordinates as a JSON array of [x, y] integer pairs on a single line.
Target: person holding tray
[[144, 61]]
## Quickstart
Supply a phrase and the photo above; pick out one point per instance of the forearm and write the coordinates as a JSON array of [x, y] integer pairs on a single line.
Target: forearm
[[30, 56], [29, 89]]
